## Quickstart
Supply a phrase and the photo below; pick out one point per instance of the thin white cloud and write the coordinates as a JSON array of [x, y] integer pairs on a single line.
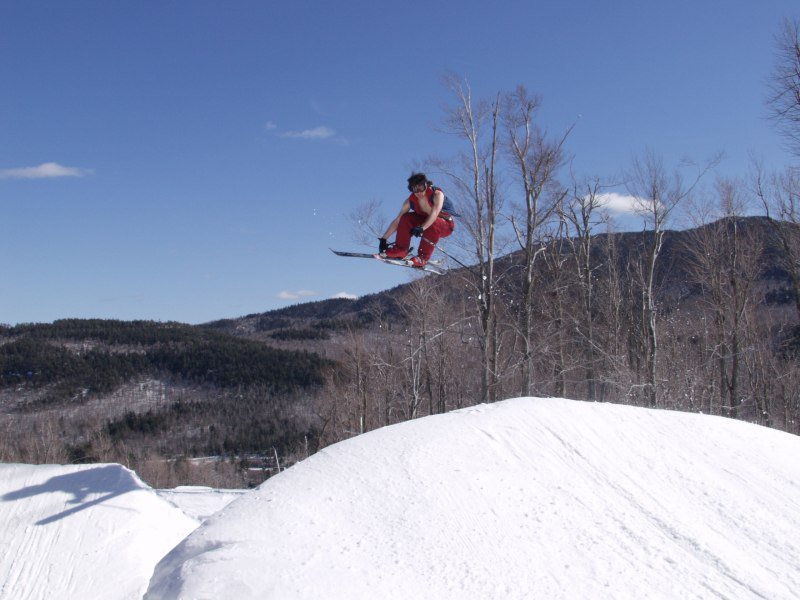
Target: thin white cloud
[[296, 294], [44, 171], [345, 296], [620, 204], [270, 126], [317, 133]]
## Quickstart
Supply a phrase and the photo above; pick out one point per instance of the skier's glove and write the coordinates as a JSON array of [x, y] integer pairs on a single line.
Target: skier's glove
[[383, 245], [417, 231]]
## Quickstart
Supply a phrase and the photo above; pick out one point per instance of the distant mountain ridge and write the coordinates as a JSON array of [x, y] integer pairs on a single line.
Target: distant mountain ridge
[[141, 390], [262, 389], [671, 274]]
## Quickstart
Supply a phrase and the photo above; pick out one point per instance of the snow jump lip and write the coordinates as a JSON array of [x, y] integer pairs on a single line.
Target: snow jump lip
[[82, 531], [544, 497]]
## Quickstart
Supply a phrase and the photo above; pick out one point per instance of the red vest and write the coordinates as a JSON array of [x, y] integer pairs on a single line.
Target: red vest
[[413, 200]]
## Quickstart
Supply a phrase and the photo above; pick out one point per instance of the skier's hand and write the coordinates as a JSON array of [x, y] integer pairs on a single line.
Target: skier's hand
[[417, 231], [383, 245]]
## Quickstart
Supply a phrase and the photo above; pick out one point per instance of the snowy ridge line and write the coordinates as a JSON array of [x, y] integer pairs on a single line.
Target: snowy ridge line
[[524, 498]]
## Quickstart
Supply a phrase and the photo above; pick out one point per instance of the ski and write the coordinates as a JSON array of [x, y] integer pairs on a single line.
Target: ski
[[434, 262], [431, 267]]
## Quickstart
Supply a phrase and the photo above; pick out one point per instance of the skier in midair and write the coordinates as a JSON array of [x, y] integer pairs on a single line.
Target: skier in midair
[[423, 215]]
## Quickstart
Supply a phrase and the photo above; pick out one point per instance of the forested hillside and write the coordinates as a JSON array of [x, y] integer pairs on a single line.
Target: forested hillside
[[93, 356], [230, 402], [83, 390], [712, 329]]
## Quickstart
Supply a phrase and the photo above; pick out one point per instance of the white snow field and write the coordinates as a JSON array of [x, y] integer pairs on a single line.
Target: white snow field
[[81, 532], [527, 498]]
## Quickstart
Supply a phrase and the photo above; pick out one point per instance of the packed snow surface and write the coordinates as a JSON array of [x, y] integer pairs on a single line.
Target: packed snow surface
[[81, 532], [200, 502], [528, 498]]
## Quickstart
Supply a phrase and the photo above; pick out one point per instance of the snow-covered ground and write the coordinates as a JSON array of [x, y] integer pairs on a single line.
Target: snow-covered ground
[[83, 531], [528, 498]]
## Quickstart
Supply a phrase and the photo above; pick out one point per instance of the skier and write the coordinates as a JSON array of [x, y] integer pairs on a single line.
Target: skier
[[423, 215]]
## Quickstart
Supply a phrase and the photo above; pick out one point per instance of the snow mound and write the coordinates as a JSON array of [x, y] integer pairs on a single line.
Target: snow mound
[[525, 498], [82, 532]]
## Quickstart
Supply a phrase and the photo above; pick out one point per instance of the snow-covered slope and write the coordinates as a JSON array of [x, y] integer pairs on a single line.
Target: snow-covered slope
[[525, 498], [200, 502], [528, 498], [81, 532]]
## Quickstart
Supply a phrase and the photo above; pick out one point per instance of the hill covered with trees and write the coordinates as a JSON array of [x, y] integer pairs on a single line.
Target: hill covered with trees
[[82, 390], [230, 402]]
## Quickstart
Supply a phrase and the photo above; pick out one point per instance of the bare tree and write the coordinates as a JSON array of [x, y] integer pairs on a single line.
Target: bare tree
[[723, 260], [537, 159], [610, 302], [430, 361], [553, 335], [475, 180], [780, 197], [784, 98], [659, 194], [353, 407], [580, 213], [368, 220]]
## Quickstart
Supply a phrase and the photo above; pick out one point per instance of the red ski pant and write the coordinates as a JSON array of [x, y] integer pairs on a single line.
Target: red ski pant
[[442, 227]]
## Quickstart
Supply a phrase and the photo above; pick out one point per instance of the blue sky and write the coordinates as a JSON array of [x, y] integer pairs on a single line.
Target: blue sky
[[194, 160]]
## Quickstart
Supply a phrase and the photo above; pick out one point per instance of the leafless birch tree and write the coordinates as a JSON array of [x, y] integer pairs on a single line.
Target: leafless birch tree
[[536, 158], [581, 215], [476, 184], [659, 194], [722, 260]]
